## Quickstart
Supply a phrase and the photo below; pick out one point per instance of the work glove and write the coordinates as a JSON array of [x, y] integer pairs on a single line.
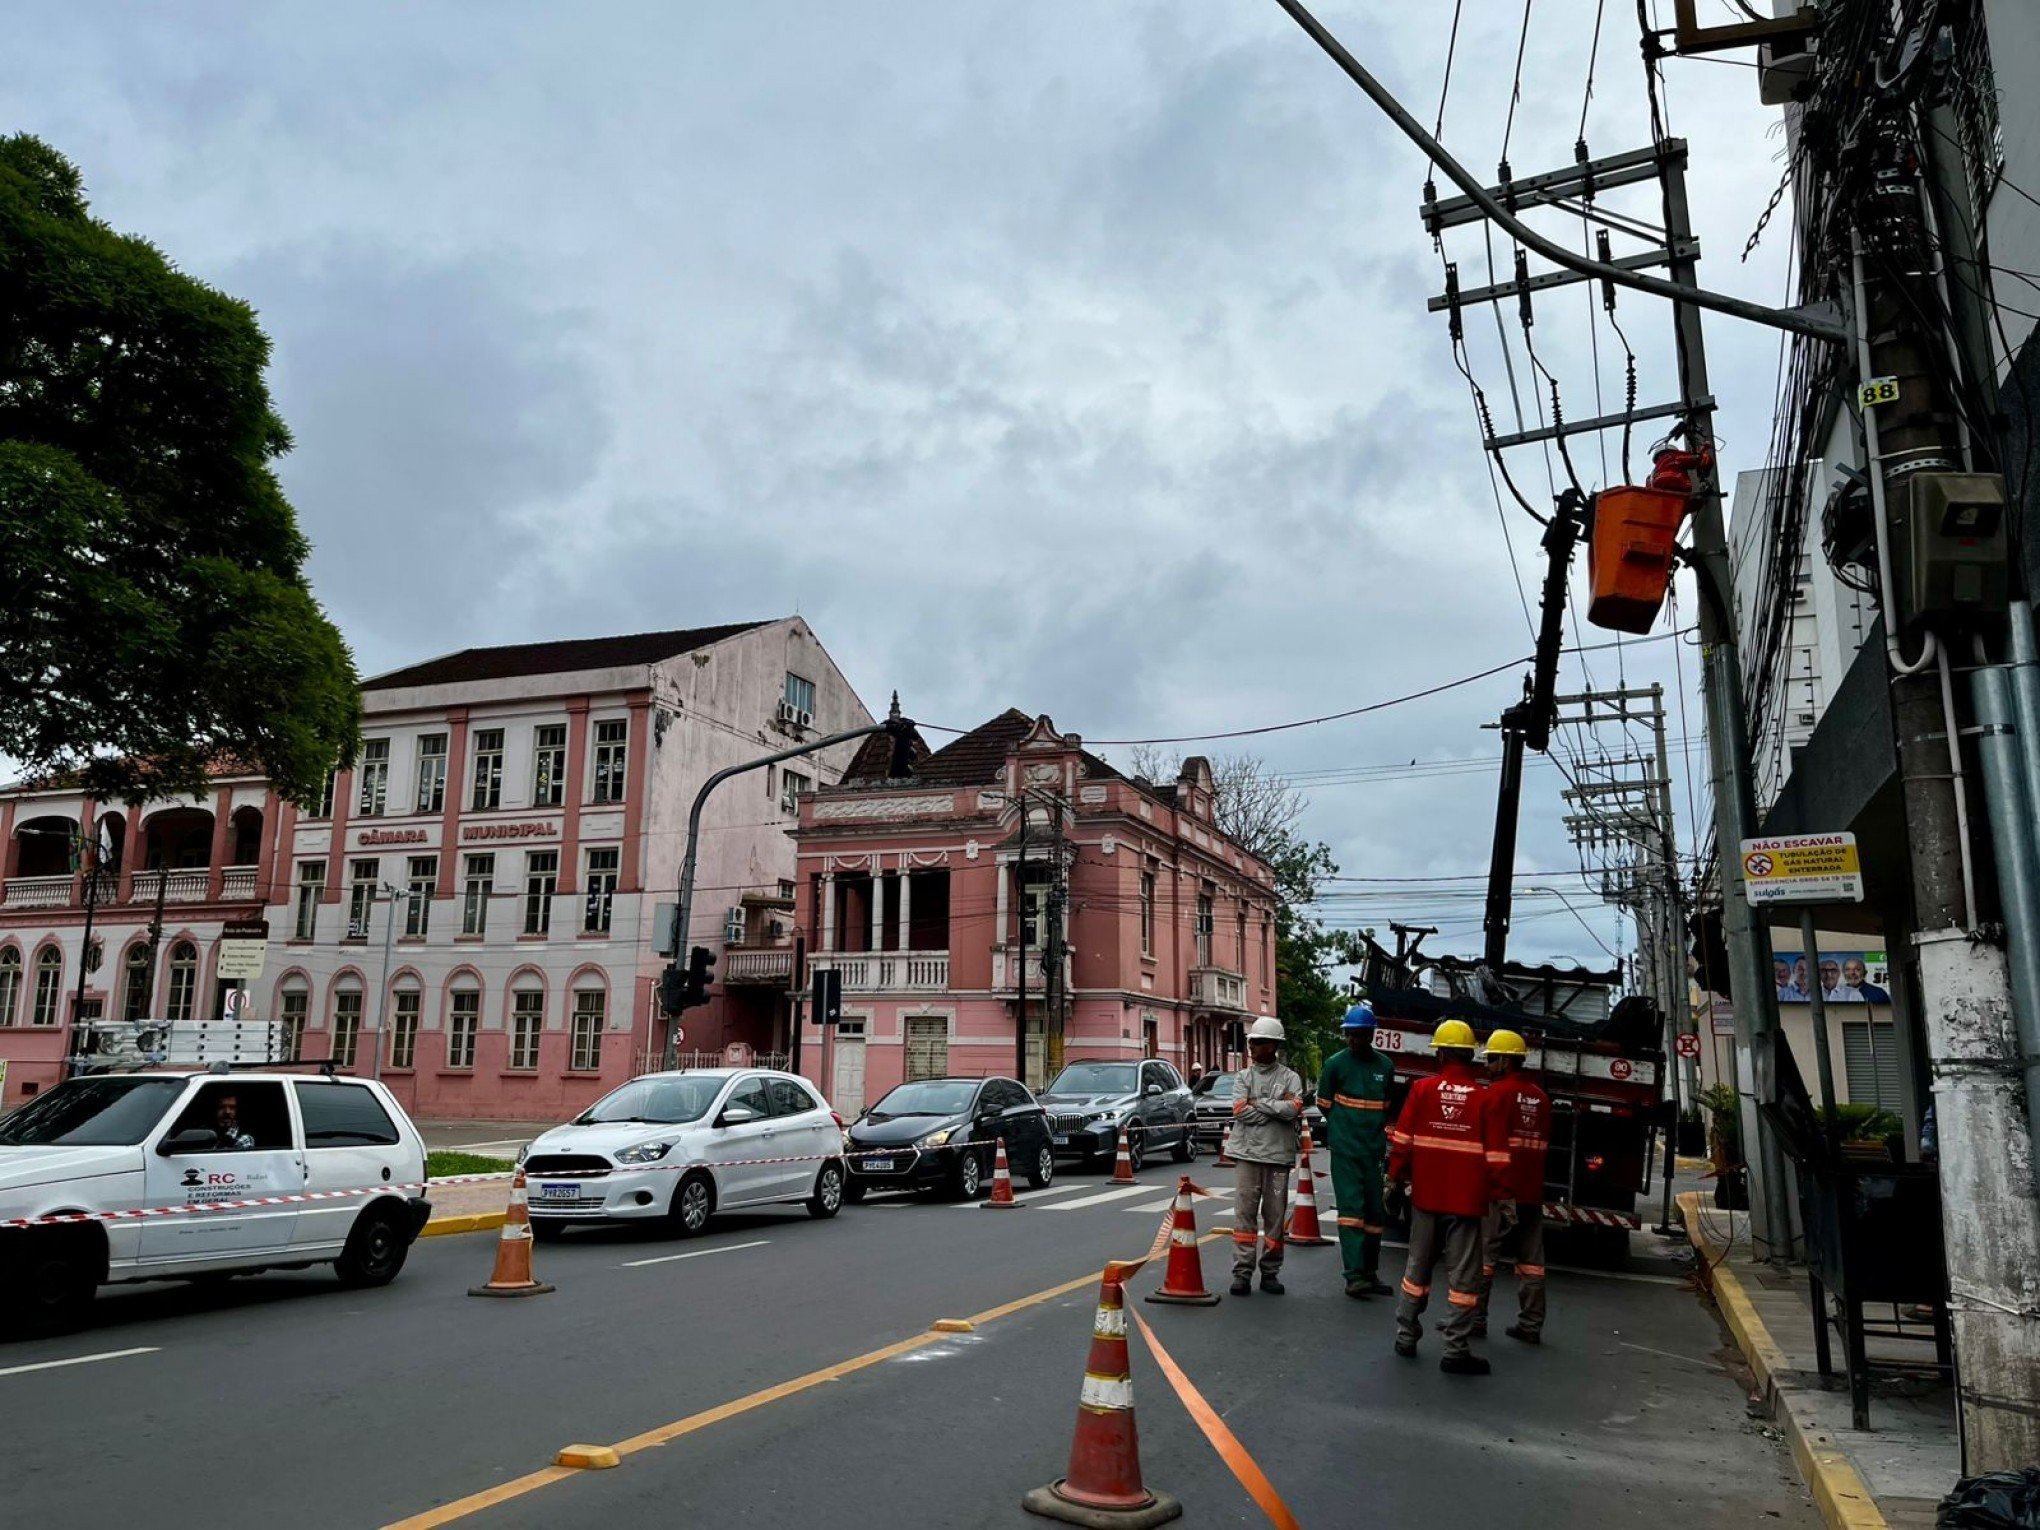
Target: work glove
[[1395, 1200], [1506, 1214]]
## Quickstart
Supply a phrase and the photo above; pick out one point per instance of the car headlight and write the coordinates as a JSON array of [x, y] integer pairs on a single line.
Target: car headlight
[[523, 1153], [937, 1139], [644, 1152]]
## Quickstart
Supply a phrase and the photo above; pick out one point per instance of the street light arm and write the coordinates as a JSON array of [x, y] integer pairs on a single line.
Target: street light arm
[[1798, 322]]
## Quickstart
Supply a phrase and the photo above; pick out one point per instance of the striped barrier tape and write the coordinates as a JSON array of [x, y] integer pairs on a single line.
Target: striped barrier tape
[[1590, 1216]]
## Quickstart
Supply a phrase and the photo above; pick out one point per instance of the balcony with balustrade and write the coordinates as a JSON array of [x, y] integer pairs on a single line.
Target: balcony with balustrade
[[769, 967], [179, 853], [1007, 970], [881, 972]]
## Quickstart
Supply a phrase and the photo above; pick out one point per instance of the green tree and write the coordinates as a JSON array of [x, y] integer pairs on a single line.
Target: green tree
[[154, 614]]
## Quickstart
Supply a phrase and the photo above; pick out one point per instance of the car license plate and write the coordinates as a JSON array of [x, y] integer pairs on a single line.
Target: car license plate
[[877, 1165], [559, 1192], [1063, 1140]]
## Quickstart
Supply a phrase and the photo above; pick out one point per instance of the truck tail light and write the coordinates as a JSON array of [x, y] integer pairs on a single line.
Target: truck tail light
[[1596, 1163]]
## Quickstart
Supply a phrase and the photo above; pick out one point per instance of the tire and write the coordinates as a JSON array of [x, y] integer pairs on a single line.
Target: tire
[[1185, 1150], [376, 1250], [1043, 1171], [693, 1204], [970, 1175], [47, 1285], [1136, 1149], [828, 1197], [545, 1230]]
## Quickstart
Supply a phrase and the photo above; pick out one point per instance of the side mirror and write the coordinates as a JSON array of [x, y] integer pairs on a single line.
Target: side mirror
[[737, 1115], [1152, 1090], [193, 1139]]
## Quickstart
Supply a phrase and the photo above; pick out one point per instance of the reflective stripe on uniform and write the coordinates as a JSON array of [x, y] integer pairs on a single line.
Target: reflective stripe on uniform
[[1244, 1237], [1400, 1137], [1451, 1144], [1463, 1298], [1352, 1222], [1499, 1158], [1411, 1288], [1372, 1227], [1530, 1271]]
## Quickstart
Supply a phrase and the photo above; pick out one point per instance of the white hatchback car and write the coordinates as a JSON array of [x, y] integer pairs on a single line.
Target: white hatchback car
[[682, 1146], [170, 1141]]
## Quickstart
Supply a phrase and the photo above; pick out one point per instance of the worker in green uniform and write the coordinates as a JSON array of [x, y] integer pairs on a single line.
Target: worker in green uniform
[[1353, 1095]]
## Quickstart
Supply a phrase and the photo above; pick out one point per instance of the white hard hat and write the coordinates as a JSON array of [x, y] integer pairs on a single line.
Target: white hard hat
[[1267, 1028]]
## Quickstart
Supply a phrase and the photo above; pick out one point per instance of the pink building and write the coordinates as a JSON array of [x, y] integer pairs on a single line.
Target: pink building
[[1011, 861], [472, 910]]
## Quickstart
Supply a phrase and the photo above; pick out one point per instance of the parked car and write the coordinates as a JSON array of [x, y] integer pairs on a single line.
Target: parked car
[[942, 1134], [1092, 1098], [679, 1147], [137, 1141], [1213, 1110]]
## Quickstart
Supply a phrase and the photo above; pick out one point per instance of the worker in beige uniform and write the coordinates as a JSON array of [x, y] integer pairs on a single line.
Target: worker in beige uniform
[[1267, 1108]]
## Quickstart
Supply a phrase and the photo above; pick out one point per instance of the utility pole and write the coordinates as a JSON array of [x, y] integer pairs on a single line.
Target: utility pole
[[395, 898]]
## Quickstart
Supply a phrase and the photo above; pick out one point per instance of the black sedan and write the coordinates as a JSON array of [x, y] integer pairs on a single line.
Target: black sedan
[[941, 1133]]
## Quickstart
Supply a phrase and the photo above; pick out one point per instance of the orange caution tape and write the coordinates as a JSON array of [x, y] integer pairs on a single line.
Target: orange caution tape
[[1223, 1440]]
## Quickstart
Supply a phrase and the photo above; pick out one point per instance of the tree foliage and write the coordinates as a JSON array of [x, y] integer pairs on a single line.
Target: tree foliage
[[154, 613], [1260, 810]]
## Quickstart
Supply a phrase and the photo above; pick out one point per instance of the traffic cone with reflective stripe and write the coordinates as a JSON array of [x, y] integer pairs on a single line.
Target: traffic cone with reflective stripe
[[513, 1251], [1122, 1165], [1225, 1159], [1303, 1223], [1104, 1486], [1183, 1283], [1002, 1183]]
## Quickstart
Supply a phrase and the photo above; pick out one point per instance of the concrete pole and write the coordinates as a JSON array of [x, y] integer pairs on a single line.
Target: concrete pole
[[1816, 1008]]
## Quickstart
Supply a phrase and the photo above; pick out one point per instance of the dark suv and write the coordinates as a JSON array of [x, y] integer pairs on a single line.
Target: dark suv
[[1093, 1097]]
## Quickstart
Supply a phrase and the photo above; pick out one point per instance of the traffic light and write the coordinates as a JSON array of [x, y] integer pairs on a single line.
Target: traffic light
[[694, 990], [673, 989]]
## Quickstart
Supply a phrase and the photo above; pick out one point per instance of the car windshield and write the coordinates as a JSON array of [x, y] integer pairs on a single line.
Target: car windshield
[[1220, 1087], [666, 1101], [92, 1112], [931, 1097], [1096, 1078]]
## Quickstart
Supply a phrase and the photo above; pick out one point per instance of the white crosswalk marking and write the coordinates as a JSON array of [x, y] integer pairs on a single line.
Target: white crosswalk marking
[[1023, 1194], [1154, 1208], [1123, 1193]]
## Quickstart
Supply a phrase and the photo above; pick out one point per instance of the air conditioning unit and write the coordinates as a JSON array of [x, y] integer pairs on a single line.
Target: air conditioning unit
[[733, 927], [804, 717], [788, 712], [1805, 719]]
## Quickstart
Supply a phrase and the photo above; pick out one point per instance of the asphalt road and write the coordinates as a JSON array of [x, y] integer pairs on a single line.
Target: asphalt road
[[282, 1398]]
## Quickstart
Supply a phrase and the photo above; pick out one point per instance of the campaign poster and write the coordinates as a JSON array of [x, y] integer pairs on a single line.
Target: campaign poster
[[1842, 977]]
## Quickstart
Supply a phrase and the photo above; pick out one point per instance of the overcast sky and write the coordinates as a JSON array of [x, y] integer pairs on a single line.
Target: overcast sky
[[1066, 355]]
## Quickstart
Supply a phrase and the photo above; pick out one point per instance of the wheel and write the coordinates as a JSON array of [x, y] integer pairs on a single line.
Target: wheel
[[1185, 1150], [970, 1175], [1136, 1149], [48, 1287], [375, 1250], [828, 1197], [853, 1191], [545, 1230], [693, 1204], [1044, 1168]]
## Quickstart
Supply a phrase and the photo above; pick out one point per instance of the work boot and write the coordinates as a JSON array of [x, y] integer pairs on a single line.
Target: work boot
[[1407, 1348], [1357, 1288], [1372, 1284], [1271, 1283], [1243, 1285], [1464, 1365], [1523, 1335]]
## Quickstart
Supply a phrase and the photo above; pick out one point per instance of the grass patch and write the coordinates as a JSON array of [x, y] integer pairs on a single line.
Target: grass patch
[[440, 1165]]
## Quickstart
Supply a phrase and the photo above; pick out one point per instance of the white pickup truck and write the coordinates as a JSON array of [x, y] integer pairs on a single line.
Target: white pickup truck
[[176, 1142]]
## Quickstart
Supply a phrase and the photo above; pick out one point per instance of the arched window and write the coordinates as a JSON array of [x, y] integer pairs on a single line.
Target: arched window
[[134, 984], [49, 986], [346, 1021], [183, 981], [10, 985]]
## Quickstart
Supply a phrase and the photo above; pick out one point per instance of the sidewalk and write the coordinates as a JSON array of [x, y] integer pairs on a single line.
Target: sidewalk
[[1892, 1474], [467, 1208]]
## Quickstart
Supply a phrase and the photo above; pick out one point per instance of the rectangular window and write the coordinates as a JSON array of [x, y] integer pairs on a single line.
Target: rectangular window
[[800, 694], [549, 765], [326, 796], [342, 1115], [346, 1028], [362, 877], [612, 750], [291, 1023], [527, 1019], [488, 775], [1240, 940], [1033, 909], [474, 898], [463, 1019], [792, 787], [927, 1047], [1870, 1063], [372, 789], [601, 883], [541, 881], [431, 772], [419, 887], [1204, 924], [311, 882], [404, 1029], [1147, 913], [585, 1055]]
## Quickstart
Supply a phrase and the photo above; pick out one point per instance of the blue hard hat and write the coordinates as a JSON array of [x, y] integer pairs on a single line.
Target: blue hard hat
[[1359, 1018]]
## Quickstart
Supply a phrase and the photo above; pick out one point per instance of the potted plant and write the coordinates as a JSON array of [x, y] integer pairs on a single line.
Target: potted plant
[[1864, 1131], [1724, 1127]]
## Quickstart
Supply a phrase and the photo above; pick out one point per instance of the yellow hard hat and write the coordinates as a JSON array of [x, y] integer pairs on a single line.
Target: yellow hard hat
[[1506, 1044], [1453, 1033]]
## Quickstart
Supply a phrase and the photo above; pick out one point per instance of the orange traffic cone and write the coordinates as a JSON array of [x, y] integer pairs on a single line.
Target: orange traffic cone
[[1183, 1283], [1002, 1183], [1104, 1486], [1225, 1159], [1303, 1222], [1122, 1165], [513, 1252]]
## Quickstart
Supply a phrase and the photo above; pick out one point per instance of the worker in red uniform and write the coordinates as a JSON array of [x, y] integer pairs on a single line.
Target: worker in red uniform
[[1515, 1227], [1447, 1152]]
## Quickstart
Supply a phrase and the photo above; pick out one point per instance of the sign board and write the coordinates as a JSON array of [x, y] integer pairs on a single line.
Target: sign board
[[828, 996], [1802, 868], [679, 1034], [241, 960], [1721, 1018], [245, 929], [1688, 1046], [237, 1008]]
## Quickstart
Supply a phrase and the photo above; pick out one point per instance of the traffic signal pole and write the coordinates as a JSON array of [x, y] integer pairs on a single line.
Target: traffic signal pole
[[899, 727]]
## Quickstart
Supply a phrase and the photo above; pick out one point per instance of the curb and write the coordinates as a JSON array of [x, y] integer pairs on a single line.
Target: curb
[[1845, 1503], [480, 1221]]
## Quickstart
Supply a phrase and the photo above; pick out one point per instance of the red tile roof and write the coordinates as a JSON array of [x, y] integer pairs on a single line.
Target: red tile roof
[[560, 656]]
